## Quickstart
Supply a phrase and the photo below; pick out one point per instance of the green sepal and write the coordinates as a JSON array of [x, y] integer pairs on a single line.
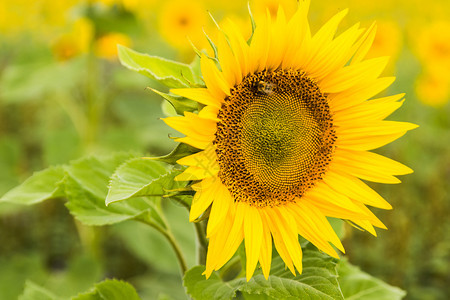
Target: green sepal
[[214, 47], [167, 72], [180, 104], [252, 20], [180, 151]]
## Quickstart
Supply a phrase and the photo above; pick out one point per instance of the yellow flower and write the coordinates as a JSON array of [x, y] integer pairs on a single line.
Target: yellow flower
[[433, 87], [42, 16], [74, 42], [261, 6], [179, 20], [387, 41], [106, 45], [433, 43], [284, 139]]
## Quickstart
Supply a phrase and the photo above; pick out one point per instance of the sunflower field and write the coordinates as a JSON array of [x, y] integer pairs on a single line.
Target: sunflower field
[[262, 149]]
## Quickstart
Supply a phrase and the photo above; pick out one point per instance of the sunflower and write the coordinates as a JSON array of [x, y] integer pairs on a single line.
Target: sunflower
[[179, 18], [284, 138]]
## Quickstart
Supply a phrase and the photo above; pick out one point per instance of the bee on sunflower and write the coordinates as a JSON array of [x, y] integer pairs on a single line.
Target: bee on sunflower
[[284, 138]]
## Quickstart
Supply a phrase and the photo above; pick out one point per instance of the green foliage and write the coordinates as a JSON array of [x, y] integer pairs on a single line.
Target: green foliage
[[105, 290], [47, 78], [180, 104], [169, 73], [33, 291], [110, 290], [318, 281], [356, 284], [141, 178], [180, 151], [41, 186], [84, 183]]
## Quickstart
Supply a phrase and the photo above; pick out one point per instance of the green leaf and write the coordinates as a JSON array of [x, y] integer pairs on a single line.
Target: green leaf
[[180, 104], [110, 290], [33, 291], [318, 281], [213, 288], [141, 178], [39, 187], [92, 210], [48, 78], [356, 284], [86, 188], [180, 151], [169, 73], [196, 68], [93, 173]]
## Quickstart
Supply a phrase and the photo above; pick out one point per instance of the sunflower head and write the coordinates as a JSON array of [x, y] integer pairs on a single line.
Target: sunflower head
[[283, 138]]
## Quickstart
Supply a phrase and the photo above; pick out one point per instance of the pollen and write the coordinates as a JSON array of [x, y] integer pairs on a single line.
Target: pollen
[[275, 137]]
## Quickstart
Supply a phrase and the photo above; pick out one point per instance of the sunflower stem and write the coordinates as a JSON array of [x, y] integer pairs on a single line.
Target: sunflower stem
[[232, 269], [202, 242], [179, 201], [172, 241], [177, 249]]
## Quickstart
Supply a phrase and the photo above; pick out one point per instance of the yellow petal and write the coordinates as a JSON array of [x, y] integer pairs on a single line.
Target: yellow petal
[[260, 45], [362, 143], [206, 159], [297, 47], [353, 75], [323, 37], [278, 41], [213, 78], [230, 67], [365, 225], [265, 256], [287, 226], [221, 203], [200, 95], [277, 238], [324, 193], [194, 173], [210, 113], [372, 218], [206, 189], [217, 243], [197, 142], [368, 111], [322, 224], [331, 210], [192, 125], [359, 93], [355, 189], [343, 164], [307, 227], [239, 46], [235, 237], [364, 44], [253, 232], [334, 55], [374, 162]]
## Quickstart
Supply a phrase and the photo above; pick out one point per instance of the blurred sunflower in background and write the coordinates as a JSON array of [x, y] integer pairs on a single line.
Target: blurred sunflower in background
[[432, 46], [285, 135], [180, 20]]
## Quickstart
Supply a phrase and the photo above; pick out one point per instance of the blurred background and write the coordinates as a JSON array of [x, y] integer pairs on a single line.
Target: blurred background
[[63, 94]]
